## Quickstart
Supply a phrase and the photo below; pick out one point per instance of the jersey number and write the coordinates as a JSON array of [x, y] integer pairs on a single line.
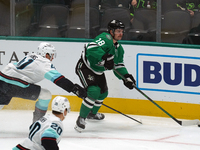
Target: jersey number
[[36, 127], [57, 128], [23, 63], [33, 129], [100, 42]]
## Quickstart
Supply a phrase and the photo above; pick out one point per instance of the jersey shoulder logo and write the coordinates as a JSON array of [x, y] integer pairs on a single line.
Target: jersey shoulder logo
[[108, 36]]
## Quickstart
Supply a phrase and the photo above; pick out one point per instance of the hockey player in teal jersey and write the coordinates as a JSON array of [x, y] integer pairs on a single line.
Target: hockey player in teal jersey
[[19, 80], [104, 53], [46, 133]]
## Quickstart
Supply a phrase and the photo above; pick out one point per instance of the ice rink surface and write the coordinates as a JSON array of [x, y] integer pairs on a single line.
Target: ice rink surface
[[116, 132]]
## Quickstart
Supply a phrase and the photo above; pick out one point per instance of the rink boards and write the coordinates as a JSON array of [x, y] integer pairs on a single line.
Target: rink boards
[[168, 73]]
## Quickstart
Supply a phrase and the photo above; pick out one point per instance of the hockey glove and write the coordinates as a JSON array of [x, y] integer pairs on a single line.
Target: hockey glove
[[79, 91], [130, 81], [109, 63]]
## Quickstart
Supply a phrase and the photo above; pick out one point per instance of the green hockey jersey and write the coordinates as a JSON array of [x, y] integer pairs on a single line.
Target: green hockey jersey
[[102, 44]]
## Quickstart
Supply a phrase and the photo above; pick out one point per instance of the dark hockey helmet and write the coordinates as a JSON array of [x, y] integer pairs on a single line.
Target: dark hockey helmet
[[115, 24]]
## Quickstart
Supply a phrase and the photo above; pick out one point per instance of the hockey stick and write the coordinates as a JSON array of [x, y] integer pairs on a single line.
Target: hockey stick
[[182, 123], [117, 111], [121, 113]]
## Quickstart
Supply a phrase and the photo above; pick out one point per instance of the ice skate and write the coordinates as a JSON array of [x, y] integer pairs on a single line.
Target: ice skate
[[80, 124], [98, 116]]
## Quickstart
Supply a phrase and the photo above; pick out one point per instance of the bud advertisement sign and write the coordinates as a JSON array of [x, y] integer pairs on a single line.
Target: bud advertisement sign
[[165, 73], [168, 73]]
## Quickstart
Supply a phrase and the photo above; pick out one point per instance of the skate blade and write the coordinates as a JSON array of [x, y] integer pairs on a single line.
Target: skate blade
[[92, 119], [78, 129]]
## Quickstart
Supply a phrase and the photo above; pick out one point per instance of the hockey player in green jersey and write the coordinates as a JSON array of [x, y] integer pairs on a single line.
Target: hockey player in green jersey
[[104, 53]]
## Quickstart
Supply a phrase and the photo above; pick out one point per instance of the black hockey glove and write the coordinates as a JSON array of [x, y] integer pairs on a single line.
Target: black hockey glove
[[109, 62], [130, 81], [79, 91]]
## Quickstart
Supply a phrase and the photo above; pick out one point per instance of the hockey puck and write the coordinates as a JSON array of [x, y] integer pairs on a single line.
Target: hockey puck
[[198, 125]]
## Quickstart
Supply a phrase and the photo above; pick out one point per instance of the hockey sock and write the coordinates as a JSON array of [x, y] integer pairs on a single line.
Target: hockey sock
[[98, 103], [93, 93], [38, 113], [97, 106], [42, 104], [86, 107], [41, 107]]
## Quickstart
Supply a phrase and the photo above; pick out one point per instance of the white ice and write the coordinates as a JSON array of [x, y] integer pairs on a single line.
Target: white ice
[[116, 132]]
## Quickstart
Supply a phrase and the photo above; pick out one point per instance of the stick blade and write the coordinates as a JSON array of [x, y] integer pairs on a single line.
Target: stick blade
[[190, 122]]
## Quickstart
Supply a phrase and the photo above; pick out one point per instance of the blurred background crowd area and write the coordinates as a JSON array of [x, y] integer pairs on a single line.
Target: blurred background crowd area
[[170, 21]]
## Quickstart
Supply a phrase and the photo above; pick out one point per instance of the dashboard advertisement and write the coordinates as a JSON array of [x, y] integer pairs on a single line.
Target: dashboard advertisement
[[164, 73]]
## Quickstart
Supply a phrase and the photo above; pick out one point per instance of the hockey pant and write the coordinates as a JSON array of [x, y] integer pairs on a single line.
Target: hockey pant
[[96, 86], [13, 87]]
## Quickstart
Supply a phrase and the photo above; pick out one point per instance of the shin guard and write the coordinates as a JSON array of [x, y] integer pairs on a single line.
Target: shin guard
[[41, 107]]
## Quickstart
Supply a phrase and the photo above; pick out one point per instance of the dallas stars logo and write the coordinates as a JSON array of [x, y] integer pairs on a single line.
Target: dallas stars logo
[[91, 78]]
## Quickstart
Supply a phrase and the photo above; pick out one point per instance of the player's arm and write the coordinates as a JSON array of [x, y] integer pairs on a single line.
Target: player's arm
[[94, 51], [65, 83], [98, 51], [129, 81], [98, 57], [119, 66], [51, 136], [49, 143]]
